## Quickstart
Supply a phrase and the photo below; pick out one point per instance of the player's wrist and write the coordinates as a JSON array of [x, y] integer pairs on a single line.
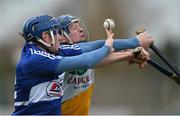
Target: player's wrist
[[130, 55]]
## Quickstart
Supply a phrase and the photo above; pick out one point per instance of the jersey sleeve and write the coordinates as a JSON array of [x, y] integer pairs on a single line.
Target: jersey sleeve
[[83, 61], [119, 44]]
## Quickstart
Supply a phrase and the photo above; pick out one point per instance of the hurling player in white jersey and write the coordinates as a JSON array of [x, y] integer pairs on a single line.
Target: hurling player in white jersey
[[78, 84], [38, 86]]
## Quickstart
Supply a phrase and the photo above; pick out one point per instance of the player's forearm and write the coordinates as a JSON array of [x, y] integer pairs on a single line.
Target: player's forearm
[[123, 44], [119, 44], [83, 61], [114, 57]]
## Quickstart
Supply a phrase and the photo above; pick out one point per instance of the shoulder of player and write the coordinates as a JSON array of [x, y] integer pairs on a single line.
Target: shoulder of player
[[41, 54], [34, 58]]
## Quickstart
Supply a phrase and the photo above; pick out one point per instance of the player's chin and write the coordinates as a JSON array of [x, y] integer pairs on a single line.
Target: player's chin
[[83, 37], [56, 50], [57, 47]]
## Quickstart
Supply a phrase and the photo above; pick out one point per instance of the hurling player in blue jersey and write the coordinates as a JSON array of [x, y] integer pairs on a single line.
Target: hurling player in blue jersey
[[78, 84], [38, 86]]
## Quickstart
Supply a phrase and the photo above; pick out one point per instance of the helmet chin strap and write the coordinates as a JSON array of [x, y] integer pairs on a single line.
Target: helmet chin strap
[[53, 38]]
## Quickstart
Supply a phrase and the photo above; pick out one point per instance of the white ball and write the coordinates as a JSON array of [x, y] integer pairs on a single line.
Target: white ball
[[109, 24]]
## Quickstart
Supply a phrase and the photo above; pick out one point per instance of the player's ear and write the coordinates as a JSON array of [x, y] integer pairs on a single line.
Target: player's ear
[[45, 36]]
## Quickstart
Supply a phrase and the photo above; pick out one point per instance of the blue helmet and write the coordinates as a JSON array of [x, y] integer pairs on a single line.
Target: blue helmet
[[66, 20], [35, 26]]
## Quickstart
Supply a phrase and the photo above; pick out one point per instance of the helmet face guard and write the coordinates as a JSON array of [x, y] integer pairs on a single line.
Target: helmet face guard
[[67, 20]]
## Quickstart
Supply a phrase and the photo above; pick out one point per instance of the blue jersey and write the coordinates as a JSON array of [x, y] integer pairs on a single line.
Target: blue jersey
[[38, 90]]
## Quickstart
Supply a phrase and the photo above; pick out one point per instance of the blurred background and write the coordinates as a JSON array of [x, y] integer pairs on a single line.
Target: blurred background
[[119, 88]]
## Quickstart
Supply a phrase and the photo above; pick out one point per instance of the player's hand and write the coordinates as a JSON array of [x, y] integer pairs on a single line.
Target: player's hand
[[109, 40], [143, 54], [141, 63], [139, 57], [145, 40]]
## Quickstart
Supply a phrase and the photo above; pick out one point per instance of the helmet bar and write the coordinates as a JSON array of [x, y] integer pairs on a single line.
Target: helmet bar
[[67, 36], [75, 20], [46, 44]]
